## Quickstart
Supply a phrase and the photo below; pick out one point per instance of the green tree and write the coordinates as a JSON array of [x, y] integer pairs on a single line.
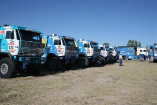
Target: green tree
[[129, 43], [136, 43], [133, 43], [139, 44], [106, 44]]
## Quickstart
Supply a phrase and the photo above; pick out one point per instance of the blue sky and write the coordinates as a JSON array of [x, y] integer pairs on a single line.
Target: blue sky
[[112, 21]]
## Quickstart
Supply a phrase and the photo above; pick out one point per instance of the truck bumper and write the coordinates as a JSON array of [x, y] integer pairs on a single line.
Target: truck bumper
[[36, 60]]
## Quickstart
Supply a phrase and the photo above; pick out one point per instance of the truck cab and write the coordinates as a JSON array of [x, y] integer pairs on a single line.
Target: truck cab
[[60, 50], [89, 52], [20, 47], [114, 54], [153, 52], [142, 53], [104, 52]]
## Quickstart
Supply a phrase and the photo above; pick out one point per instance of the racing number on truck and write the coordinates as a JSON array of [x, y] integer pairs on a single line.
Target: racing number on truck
[[59, 50], [89, 52], [11, 47]]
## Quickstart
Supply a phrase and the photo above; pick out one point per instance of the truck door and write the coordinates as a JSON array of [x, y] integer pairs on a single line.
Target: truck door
[[13, 43], [59, 47], [88, 49]]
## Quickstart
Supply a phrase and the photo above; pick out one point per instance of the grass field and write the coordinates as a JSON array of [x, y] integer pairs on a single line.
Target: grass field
[[135, 83]]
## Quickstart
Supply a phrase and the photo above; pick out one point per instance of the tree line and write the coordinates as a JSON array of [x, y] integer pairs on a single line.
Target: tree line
[[131, 43]]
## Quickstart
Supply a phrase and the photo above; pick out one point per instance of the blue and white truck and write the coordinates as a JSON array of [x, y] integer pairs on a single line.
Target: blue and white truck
[[105, 52], [113, 54], [153, 52], [20, 48], [89, 53], [127, 52], [59, 51]]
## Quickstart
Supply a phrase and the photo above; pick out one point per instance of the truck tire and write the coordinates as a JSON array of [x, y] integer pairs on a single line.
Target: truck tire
[[98, 61], [53, 64], [7, 68], [112, 59], [83, 62], [103, 62]]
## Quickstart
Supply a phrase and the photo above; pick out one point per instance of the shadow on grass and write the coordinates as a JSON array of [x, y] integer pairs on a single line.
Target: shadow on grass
[[43, 71]]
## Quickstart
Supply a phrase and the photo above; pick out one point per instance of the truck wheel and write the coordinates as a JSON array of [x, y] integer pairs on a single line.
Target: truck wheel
[[83, 62], [98, 61], [7, 68], [102, 60], [53, 64], [112, 59]]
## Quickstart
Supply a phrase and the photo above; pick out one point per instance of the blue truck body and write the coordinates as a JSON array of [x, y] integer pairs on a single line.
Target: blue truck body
[[127, 52], [19, 45], [114, 53], [153, 52], [105, 52], [61, 48], [89, 51]]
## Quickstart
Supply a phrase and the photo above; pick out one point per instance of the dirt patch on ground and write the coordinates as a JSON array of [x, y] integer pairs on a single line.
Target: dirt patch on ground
[[133, 83]]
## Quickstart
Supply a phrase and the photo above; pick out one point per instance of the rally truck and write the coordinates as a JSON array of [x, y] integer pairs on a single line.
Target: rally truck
[[113, 54], [153, 52], [105, 52], [20, 48], [89, 53], [60, 51]]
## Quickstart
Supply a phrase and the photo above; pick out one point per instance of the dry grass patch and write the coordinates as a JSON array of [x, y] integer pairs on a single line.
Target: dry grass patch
[[134, 83]]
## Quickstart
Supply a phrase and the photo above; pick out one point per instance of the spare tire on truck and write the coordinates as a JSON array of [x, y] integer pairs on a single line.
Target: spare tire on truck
[[7, 68]]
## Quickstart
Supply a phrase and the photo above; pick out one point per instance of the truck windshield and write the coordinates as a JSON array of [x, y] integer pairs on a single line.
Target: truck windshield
[[30, 36], [86, 45], [102, 48], [94, 45], [69, 42], [57, 42], [111, 49]]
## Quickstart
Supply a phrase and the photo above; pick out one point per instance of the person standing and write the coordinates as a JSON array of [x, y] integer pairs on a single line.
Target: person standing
[[120, 59]]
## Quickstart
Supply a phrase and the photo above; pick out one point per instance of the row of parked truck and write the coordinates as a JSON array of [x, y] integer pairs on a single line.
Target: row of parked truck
[[23, 49]]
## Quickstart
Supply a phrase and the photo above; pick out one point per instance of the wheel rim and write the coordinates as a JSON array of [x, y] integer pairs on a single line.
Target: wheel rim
[[4, 68]]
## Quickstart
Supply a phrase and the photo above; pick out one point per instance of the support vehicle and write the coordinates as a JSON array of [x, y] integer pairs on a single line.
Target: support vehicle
[[142, 54], [127, 52], [20, 48]]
